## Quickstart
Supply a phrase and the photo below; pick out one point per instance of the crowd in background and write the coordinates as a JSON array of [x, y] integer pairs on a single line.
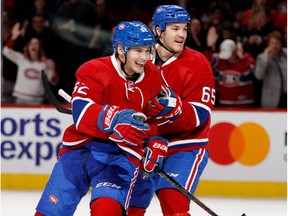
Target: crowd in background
[[247, 35]]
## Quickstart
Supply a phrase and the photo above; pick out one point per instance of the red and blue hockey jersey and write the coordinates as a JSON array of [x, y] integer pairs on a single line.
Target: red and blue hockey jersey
[[190, 76], [99, 82]]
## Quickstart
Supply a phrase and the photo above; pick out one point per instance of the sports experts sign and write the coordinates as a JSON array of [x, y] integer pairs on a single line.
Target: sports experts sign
[[30, 139]]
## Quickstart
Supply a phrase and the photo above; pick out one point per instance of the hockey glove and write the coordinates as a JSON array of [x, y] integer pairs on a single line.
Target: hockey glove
[[168, 105], [126, 125], [154, 153]]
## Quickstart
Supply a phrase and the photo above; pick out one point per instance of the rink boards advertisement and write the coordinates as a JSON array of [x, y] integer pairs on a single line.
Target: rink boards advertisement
[[247, 150]]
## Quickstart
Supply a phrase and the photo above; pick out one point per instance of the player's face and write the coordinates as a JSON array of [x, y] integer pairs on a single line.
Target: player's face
[[174, 36], [136, 59]]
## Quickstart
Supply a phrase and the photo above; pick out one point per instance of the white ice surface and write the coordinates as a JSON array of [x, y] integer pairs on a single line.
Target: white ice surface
[[16, 203]]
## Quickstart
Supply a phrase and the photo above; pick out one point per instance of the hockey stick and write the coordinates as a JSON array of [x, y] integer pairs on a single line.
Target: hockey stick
[[51, 96], [186, 192], [163, 174], [66, 96]]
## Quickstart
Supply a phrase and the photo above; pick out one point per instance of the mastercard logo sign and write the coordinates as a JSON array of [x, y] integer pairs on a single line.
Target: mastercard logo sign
[[247, 144]]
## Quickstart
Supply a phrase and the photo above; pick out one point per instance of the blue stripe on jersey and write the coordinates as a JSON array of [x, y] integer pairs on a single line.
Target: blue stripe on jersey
[[202, 112], [246, 77], [182, 144], [78, 106]]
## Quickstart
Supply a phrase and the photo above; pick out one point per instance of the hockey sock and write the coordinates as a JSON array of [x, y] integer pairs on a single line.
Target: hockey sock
[[134, 211], [38, 214], [173, 203], [105, 206]]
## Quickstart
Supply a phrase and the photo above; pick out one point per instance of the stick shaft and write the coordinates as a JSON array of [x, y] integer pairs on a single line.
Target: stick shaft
[[51, 96], [63, 94], [184, 191]]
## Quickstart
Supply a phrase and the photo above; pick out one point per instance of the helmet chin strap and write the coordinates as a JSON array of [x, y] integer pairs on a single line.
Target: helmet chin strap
[[123, 69], [161, 44], [123, 64], [133, 76]]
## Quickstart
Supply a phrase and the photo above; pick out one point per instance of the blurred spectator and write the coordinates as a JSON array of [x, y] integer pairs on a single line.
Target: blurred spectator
[[259, 27], [74, 13], [104, 24], [108, 48], [8, 68], [271, 68], [217, 14], [281, 20], [215, 37], [82, 28], [75, 26], [39, 8], [37, 29], [238, 10], [233, 73], [197, 38], [256, 3], [6, 14], [212, 37], [221, 27], [103, 18], [28, 88], [205, 20]]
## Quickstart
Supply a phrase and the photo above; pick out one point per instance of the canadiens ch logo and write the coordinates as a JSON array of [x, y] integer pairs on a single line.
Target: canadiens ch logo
[[130, 85], [230, 78], [53, 199], [159, 10], [32, 74], [121, 27]]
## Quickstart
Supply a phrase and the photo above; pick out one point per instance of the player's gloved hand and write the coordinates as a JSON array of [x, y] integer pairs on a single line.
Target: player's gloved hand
[[168, 105], [126, 125], [154, 152]]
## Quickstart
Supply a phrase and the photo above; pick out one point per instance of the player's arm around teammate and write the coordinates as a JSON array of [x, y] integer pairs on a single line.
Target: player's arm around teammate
[[102, 149]]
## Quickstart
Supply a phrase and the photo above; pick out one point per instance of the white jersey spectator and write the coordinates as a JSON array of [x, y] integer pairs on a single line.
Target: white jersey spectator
[[28, 87]]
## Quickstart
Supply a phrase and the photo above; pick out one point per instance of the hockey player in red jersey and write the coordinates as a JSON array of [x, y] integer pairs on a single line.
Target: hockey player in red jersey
[[188, 73], [103, 148]]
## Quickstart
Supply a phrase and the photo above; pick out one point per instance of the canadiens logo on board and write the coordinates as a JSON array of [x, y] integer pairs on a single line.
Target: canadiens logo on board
[[53, 199]]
